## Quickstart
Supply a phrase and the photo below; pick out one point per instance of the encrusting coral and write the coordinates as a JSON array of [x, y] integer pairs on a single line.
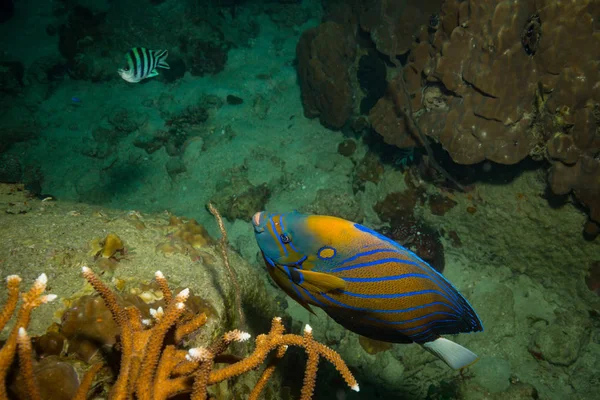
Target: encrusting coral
[[150, 369]]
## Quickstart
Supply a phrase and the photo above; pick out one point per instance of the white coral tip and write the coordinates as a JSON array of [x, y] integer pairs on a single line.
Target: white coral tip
[[355, 387], [13, 278], [49, 297], [85, 270], [197, 354], [278, 319], [22, 332], [307, 329], [243, 336], [184, 294], [159, 275], [42, 280], [146, 321], [179, 306]]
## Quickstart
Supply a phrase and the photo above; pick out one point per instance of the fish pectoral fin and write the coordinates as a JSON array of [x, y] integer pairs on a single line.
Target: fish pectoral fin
[[152, 73], [319, 282]]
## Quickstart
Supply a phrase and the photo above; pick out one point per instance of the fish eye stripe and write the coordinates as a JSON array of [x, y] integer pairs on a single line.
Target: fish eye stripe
[[276, 237], [294, 248]]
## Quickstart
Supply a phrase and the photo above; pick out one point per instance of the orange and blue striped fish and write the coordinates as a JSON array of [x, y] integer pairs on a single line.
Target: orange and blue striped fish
[[366, 282]]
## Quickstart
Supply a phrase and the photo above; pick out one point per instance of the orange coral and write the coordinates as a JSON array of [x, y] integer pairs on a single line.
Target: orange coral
[[150, 372], [18, 338]]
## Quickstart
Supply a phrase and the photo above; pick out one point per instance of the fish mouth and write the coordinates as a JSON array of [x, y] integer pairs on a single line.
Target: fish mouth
[[258, 222]]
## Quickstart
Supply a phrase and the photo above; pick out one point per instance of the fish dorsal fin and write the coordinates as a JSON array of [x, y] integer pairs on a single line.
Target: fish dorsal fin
[[319, 282]]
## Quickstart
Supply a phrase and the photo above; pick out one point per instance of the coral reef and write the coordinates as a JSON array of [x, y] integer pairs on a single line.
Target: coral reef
[[325, 55], [237, 198], [397, 210], [149, 367], [488, 80], [18, 342]]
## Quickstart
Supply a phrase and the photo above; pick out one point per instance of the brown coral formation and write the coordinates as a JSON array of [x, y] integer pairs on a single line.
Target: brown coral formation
[[490, 80], [186, 237], [391, 24], [325, 55]]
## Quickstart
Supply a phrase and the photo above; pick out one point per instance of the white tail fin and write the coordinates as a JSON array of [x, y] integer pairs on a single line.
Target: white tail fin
[[451, 353]]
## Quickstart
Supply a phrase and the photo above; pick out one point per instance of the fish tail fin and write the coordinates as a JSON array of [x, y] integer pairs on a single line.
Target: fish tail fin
[[453, 354], [161, 56]]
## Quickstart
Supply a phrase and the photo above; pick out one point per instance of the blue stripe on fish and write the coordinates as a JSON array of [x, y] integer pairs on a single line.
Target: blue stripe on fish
[[408, 321], [386, 278], [291, 244], [277, 237], [365, 254], [374, 263], [414, 328], [401, 310], [419, 265], [393, 295], [313, 298], [396, 245]]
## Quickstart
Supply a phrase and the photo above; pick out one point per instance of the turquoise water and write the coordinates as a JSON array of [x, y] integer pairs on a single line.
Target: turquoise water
[[487, 165]]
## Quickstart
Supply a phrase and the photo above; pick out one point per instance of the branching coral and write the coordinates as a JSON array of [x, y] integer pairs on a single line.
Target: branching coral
[[150, 370], [18, 340]]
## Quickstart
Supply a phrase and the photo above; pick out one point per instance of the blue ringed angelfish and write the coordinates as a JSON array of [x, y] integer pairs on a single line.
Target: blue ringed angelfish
[[366, 282], [141, 63]]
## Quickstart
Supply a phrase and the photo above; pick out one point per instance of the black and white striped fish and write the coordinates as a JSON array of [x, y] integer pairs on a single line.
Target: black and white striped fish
[[141, 63]]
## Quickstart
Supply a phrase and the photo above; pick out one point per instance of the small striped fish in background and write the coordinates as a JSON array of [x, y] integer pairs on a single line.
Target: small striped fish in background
[[141, 63]]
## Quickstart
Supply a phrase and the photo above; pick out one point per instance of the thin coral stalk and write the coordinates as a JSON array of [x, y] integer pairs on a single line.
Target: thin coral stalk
[[189, 327], [312, 364], [13, 282], [164, 286], [86, 382], [153, 348], [267, 373], [223, 242], [275, 338], [31, 299], [26, 365]]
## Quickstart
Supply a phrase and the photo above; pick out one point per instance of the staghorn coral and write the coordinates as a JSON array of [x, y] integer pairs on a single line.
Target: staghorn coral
[[149, 370], [19, 342]]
